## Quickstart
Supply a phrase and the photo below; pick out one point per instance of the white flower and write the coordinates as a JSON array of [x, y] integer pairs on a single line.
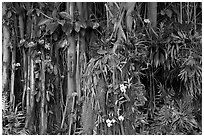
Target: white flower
[[123, 88], [31, 44], [108, 121], [38, 61], [121, 118], [109, 124], [113, 120], [146, 20], [22, 41], [41, 41], [47, 46], [18, 64]]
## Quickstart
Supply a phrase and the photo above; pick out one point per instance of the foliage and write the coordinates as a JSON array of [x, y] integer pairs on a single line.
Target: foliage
[[12, 122], [128, 77]]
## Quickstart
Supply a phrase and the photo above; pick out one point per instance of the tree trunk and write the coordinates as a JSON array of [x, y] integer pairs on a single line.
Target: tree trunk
[[71, 65], [6, 53], [152, 13], [129, 19], [43, 106], [21, 29]]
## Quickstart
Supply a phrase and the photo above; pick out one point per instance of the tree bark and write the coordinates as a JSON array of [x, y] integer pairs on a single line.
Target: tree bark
[[129, 20], [71, 65], [43, 106], [152, 13], [6, 53]]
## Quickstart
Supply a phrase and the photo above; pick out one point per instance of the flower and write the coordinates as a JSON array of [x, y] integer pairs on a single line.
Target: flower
[[146, 20], [113, 120], [22, 41], [121, 118], [109, 124], [108, 121], [47, 46], [123, 88], [41, 41], [17, 64], [31, 44], [39, 52]]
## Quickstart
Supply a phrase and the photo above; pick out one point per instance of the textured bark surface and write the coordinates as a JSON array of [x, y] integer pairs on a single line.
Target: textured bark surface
[[152, 13], [5, 52]]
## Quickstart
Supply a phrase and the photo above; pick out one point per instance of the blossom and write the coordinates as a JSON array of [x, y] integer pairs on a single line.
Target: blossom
[[47, 46], [121, 118], [41, 41], [146, 20], [31, 44], [123, 88], [22, 41], [113, 120], [108, 121], [17, 64], [109, 124]]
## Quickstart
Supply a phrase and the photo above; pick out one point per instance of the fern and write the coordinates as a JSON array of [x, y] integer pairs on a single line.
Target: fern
[[5, 104]]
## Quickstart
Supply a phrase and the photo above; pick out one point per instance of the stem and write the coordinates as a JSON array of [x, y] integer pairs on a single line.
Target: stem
[[181, 12], [13, 63], [188, 15], [28, 108], [194, 5], [71, 117], [122, 128], [78, 87]]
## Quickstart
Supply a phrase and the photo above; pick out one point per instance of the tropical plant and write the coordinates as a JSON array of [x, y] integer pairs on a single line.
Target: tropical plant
[[101, 68]]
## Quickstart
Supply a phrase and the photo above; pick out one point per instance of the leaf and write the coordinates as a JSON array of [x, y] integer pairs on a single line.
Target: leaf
[[162, 12], [48, 96], [30, 12], [83, 25], [101, 52], [55, 70], [51, 112], [44, 21], [61, 22], [67, 28], [156, 59], [38, 12], [54, 14], [41, 4], [55, 36], [169, 13], [50, 93], [52, 27], [95, 25], [9, 14], [77, 26], [38, 96], [161, 58], [65, 15]]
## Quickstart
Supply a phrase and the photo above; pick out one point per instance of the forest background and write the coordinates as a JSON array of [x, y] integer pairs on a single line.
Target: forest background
[[115, 68]]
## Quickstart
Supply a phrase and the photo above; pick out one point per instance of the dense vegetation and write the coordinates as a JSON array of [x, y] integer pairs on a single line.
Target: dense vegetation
[[102, 68]]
